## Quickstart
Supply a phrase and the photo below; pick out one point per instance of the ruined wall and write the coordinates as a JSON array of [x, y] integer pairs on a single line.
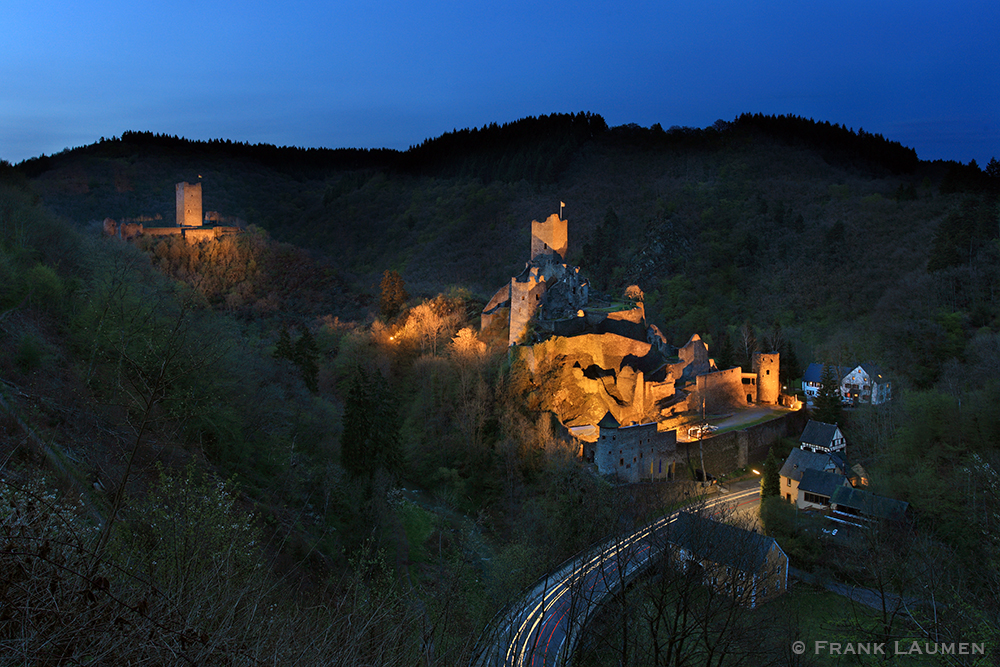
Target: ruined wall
[[582, 378], [694, 357], [188, 204], [525, 300], [161, 231], [634, 453], [721, 390], [766, 366], [549, 237], [495, 308]]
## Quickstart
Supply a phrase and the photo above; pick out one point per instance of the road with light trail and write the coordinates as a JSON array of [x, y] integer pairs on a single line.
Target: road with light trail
[[543, 628]]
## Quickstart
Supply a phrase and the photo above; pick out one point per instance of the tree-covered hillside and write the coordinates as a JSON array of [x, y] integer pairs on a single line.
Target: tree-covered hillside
[[376, 472]]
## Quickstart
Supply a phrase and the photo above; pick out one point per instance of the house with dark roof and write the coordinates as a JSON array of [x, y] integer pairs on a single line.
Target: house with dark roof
[[813, 378], [866, 384], [745, 564], [856, 506], [858, 384], [822, 437], [801, 460], [817, 487]]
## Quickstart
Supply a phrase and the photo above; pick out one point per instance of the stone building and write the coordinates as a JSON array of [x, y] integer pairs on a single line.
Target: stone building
[[188, 204], [633, 453], [745, 565], [190, 224], [546, 286]]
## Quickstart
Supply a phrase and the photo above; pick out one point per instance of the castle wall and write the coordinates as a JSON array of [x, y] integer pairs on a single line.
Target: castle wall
[[200, 234], [722, 390], [525, 300], [188, 204], [694, 356], [735, 449], [634, 453], [161, 231], [549, 237], [766, 366]]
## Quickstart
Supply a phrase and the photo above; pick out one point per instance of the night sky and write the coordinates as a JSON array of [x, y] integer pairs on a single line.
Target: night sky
[[390, 73]]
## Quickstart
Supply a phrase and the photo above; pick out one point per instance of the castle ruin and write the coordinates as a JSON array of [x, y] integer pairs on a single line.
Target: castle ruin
[[190, 220], [188, 204], [607, 373]]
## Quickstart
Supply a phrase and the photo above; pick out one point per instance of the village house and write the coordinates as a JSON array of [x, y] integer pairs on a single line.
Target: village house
[[859, 384], [816, 488], [745, 564], [865, 384], [823, 438], [801, 460]]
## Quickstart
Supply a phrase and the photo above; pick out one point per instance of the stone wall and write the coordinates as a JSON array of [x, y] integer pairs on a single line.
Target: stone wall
[[634, 453], [549, 237], [525, 300], [721, 390], [747, 447]]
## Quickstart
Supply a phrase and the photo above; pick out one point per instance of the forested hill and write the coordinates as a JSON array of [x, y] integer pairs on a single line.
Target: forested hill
[[503, 152], [764, 219]]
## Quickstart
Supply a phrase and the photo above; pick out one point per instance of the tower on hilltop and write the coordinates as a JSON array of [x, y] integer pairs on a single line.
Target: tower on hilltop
[[549, 237], [189, 205]]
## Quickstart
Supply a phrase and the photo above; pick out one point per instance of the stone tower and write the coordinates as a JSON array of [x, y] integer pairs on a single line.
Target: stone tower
[[189, 205], [766, 365], [549, 237]]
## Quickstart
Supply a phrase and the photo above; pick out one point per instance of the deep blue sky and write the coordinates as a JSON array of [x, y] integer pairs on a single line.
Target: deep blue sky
[[391, 73]]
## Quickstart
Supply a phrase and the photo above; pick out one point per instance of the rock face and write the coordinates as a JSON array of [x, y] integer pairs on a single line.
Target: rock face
[[582, 378]]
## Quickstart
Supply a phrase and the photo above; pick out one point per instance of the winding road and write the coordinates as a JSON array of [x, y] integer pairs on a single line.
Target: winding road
[[542, 630]]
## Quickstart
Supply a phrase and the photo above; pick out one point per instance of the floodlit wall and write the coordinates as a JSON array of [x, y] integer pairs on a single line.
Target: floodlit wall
[[189, 205], [525, 300], [549, 237], [635, 453]]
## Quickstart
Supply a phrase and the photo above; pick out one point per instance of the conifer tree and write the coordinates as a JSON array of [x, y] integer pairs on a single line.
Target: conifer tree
[[393, 295], [305, 355], [770, 481], [827, 407], [370, 438]]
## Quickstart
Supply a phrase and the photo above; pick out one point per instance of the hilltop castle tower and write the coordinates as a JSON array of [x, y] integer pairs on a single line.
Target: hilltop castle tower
[[549, 237], [189, 205]]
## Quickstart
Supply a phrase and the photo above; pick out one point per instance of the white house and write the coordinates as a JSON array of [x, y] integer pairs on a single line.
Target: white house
[[866, 384], [822, 438]]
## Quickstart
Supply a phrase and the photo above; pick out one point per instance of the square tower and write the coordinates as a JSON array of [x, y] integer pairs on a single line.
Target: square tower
[[189, 205], [549, 237]]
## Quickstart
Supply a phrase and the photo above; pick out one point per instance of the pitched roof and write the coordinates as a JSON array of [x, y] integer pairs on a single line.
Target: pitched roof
[[721, 543], [874, 373], [608, 421], [814, 373], [800, 460], [819, 434], [869, 504], [821, 483]]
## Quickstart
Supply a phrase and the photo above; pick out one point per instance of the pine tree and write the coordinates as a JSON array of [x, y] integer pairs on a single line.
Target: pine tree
[[827, 407], [370, 437], [393, 295], [305, 355], [770, 481]]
